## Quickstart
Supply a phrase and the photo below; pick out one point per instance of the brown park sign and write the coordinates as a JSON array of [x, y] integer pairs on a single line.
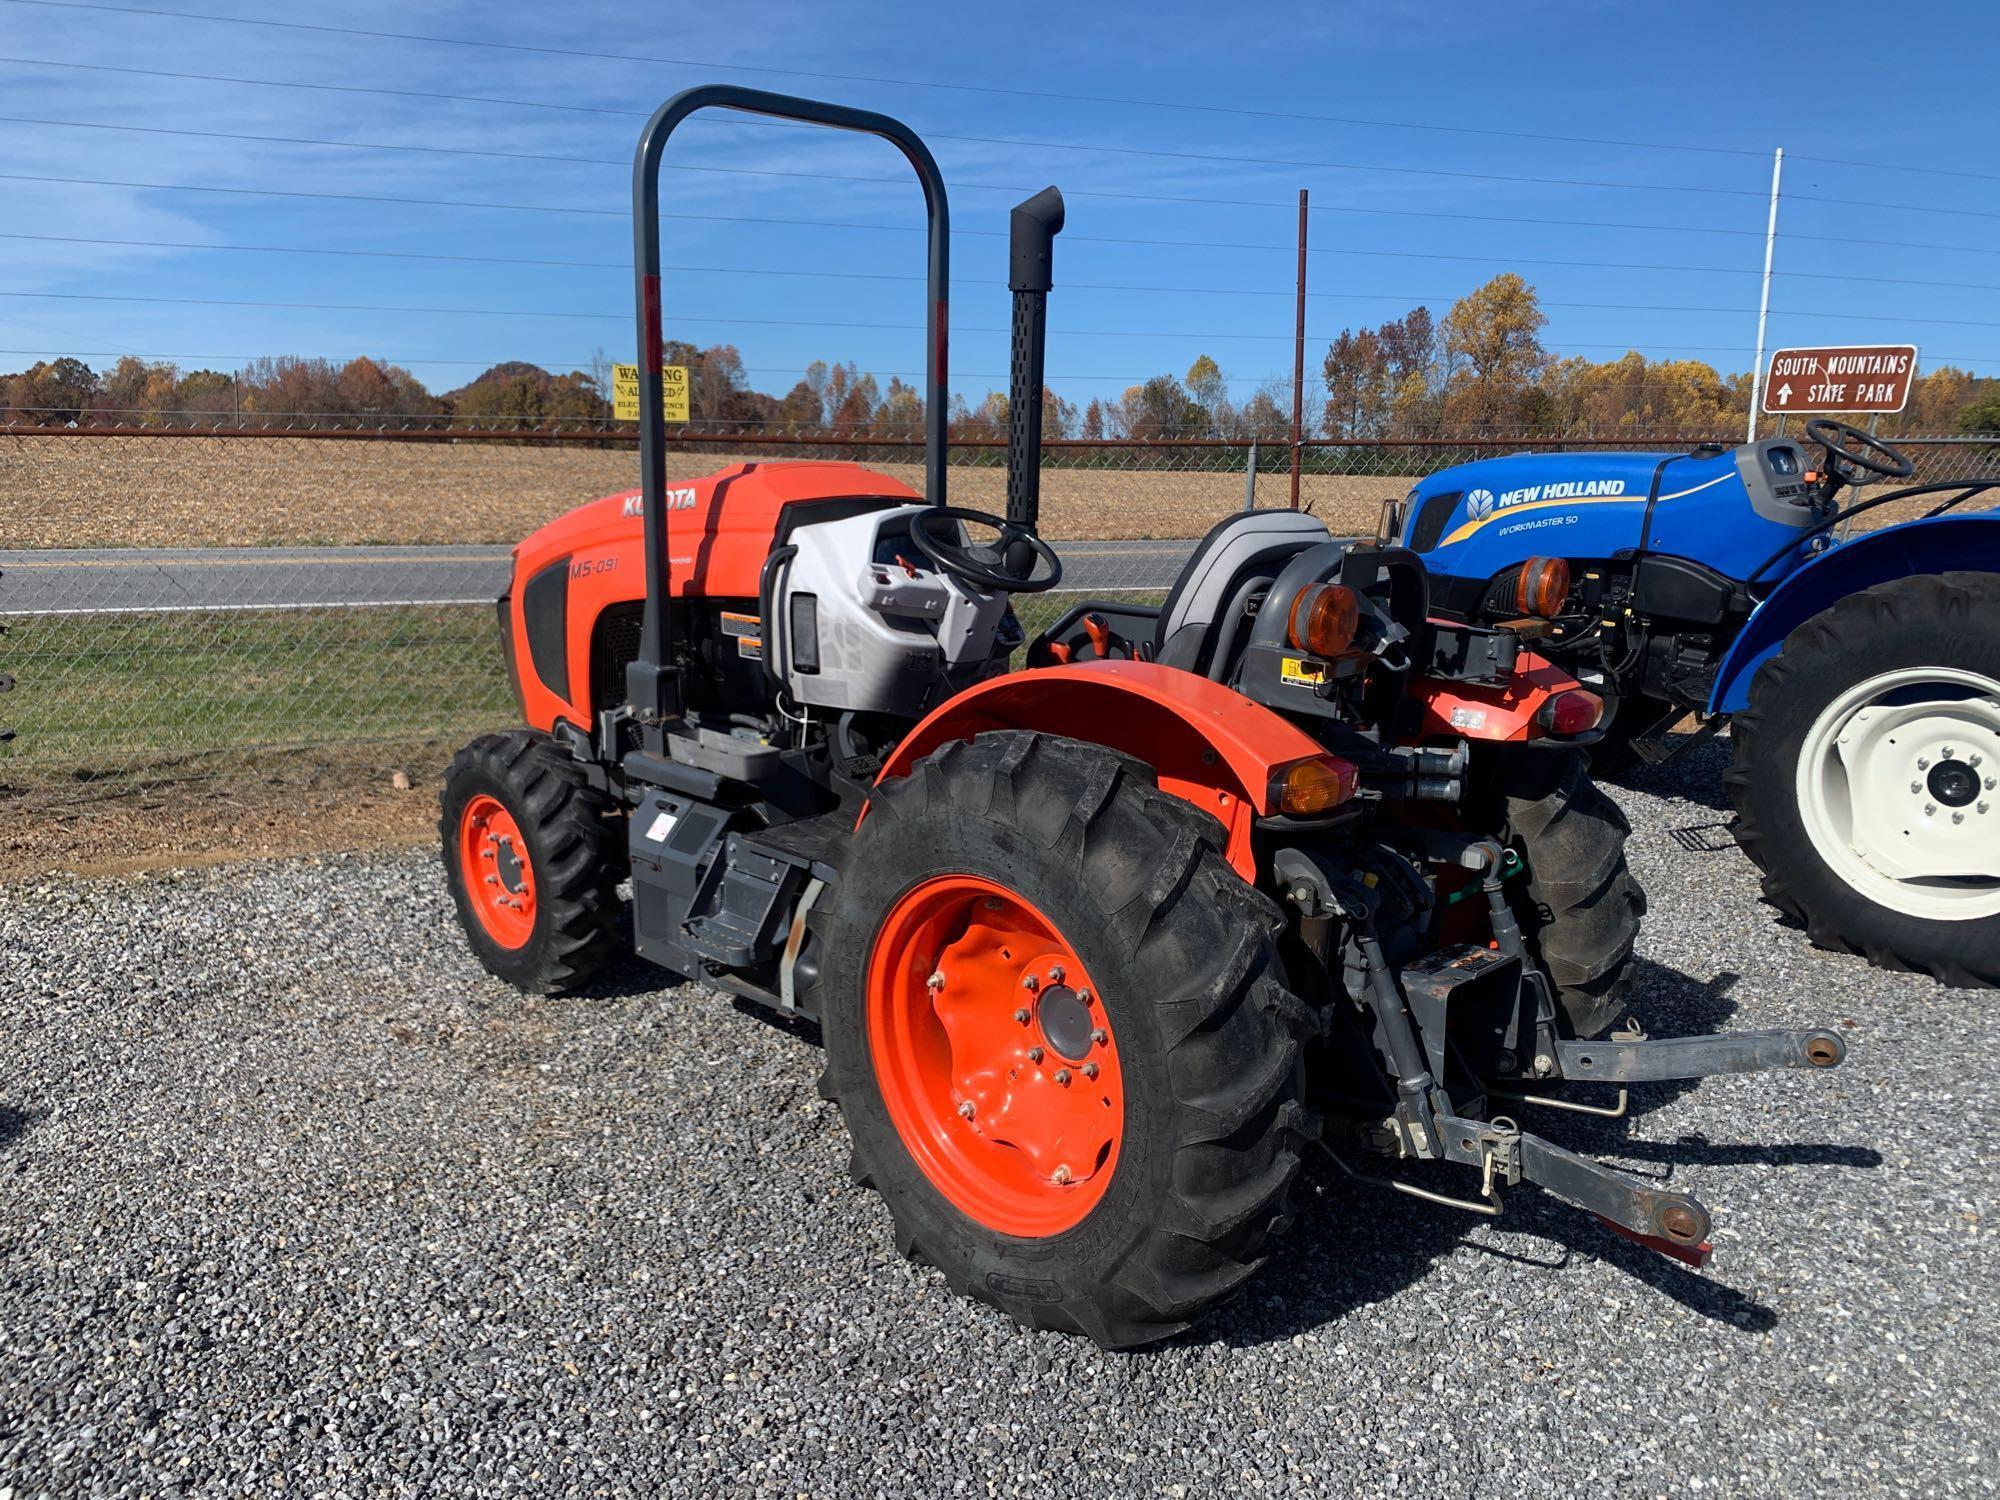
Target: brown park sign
[[1851, 378]]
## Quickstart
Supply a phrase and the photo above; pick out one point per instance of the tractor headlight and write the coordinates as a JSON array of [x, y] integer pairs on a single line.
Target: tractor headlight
[[1543, 588], [1324, 618]]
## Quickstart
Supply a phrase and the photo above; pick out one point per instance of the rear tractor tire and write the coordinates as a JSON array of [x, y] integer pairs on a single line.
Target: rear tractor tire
[[1864, 776], [1057, 1026], [532, 857], [1580, 906]]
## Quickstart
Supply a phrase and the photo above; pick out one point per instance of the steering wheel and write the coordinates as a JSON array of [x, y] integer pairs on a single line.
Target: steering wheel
[[1006, 564], [1874, 456]]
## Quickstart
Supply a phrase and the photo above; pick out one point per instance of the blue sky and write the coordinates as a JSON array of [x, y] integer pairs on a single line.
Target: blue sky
[[1392, 226]]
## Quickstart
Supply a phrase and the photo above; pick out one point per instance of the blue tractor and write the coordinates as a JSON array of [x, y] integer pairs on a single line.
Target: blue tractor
[[1859, 670]]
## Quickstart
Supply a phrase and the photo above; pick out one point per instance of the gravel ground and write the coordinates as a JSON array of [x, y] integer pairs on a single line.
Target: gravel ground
[[293, 1199]]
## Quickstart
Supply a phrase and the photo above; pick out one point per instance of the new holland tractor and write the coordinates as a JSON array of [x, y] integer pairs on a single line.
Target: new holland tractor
[[1098, 946], [1859, 672]]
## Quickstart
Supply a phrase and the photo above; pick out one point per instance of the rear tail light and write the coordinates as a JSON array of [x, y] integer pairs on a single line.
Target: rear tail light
[[1573, 712], [1317, 784], [1543, 588], [1324, 618]]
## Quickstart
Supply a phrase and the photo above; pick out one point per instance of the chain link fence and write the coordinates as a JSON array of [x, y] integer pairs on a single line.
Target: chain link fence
[[184, 599]]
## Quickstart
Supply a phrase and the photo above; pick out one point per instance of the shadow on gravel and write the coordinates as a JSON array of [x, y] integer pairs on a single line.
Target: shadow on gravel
[[1695, 777], [1352, 1245], [12, 1123]]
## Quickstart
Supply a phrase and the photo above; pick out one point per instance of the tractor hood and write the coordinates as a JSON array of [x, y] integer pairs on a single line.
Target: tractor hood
[[1728, 509]]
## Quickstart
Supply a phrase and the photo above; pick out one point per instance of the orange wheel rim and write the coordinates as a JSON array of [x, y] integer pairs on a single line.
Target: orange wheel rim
[[994, 1056], [499, 879]]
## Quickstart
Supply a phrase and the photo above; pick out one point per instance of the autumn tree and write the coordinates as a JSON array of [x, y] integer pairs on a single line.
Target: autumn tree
[[1493, 352]]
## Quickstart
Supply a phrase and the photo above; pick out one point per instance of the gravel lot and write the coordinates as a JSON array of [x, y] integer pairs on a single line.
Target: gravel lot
[[293, 1199]]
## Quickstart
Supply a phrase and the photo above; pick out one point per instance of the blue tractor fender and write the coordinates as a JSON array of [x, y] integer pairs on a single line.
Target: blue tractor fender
[[1944, 544]]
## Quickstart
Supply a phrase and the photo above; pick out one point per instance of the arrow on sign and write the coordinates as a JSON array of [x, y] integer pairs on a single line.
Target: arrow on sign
[[1785, 394]]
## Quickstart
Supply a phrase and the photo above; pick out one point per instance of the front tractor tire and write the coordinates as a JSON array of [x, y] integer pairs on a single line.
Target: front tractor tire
[[1057, 1027], [532, 857], [1864, 776]]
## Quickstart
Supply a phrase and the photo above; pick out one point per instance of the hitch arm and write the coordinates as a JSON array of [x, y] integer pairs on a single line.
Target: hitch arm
[[1646, 1060], [1674, 1224]]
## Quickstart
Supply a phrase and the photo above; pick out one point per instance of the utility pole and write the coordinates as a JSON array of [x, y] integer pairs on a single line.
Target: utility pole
[[1299, 356], [1764, 302]]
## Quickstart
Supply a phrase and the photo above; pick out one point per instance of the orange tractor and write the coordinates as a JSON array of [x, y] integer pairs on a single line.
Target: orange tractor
[[1101, 945]]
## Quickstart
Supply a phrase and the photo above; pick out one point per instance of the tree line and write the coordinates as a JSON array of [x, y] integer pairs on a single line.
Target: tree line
[[1482, 369]]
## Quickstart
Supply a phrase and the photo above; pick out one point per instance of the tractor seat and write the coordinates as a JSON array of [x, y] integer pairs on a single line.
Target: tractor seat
[[1250, 544]]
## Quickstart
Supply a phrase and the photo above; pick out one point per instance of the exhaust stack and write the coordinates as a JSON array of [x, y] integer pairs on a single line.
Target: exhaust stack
[[1030, 274]]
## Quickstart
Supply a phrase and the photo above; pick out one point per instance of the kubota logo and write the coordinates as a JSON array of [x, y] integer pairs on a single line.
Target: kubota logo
[[1479, 504]]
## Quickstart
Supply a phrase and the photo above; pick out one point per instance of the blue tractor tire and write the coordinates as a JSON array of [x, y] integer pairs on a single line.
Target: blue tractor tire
[[1882, 711]]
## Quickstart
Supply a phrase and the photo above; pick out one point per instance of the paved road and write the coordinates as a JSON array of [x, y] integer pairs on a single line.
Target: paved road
[[129, 580]]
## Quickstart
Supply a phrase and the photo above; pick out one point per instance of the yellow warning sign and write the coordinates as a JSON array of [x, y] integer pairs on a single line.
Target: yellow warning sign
[[673, 392], [1297, 672]]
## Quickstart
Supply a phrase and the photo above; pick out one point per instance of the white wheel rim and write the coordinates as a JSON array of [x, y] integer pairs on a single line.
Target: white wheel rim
[[1896, 788]]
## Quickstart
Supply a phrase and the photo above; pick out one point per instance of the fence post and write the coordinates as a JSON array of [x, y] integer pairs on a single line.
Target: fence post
[[1250, 478]]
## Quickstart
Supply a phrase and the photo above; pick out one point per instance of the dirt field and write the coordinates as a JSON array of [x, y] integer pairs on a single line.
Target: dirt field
[[176, 491]]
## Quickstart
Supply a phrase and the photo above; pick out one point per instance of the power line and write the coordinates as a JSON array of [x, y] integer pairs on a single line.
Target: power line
[[743, 322], [1405, 213], [1186, 105], [522, 312], [938, 135], [619, 265], [1121, 101], [599, 161]]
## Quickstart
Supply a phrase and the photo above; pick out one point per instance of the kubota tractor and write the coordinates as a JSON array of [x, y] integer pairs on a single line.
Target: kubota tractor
[[1098, 947]]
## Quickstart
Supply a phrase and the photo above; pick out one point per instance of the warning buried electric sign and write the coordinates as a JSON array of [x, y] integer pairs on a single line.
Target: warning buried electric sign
[[1862, 377]]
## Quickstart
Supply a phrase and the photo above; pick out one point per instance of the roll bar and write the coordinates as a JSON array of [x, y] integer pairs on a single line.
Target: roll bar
[[652, 683]]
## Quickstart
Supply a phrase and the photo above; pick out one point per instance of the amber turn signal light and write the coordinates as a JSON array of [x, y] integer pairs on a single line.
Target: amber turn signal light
[[1317, 784], [1573, 712], [1543, 588], [1324, 618]]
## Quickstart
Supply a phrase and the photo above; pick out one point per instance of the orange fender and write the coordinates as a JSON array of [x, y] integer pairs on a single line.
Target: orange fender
[[1211, 747]]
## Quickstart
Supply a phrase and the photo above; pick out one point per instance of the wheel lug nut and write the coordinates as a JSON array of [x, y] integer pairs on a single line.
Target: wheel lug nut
[[1929, 808], [1916, 786], [1958, 817], [1948, 752], [1090, 1070], [1085, 996], [1060, 1176], [1055, 973], [1062, 1077], [1036, 1054], [1031, 982], [1021, 1015], [492, 879], [1923, 762], [965, 1110], [936, 981], [1100, 1036]]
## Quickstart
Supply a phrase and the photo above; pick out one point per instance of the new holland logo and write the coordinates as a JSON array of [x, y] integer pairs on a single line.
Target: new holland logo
[[1479, 504]]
